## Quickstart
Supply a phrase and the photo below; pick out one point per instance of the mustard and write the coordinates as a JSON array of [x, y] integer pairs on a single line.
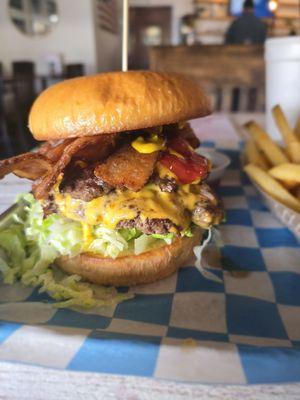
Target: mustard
[[155, 143]]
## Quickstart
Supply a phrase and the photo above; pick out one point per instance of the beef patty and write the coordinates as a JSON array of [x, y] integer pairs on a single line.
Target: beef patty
[[148, 226], [49, 206], [208, 210], [82, 183], [165, 184]]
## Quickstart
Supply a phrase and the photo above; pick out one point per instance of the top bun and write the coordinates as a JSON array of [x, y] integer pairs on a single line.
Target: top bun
[[115, 102]]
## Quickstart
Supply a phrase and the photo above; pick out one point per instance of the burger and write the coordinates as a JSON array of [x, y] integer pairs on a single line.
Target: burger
[[119, 195]]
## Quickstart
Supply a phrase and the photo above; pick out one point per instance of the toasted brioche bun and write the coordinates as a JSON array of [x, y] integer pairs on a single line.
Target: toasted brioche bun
[[115, 102], [134, 269]]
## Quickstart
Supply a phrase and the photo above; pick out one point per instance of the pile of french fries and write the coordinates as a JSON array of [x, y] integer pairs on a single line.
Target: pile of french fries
[[275, 168]]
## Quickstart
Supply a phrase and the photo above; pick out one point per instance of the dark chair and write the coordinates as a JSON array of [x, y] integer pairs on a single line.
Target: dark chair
[[73, 70], [6, 148], [24, 82], [23, 69], [15, 137]]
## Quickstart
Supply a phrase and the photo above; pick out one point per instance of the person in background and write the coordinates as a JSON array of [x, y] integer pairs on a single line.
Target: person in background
[[246, 29], [187, 30]]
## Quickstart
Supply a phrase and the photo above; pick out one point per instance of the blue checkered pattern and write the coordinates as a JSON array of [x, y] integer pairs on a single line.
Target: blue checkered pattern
[[243, 330]]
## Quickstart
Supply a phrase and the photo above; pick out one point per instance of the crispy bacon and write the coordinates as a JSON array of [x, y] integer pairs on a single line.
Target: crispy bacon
[[96, 150], [127, 168], [28, 165], [100, 146], [34, 165], [184, 132], [54, 149], [187, 133]]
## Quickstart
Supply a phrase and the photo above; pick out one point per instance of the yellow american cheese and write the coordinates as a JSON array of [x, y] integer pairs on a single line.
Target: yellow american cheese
[[87, 235], [116, 206]]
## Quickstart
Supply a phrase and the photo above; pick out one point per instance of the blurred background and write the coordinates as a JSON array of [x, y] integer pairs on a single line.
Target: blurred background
[[219, 43]]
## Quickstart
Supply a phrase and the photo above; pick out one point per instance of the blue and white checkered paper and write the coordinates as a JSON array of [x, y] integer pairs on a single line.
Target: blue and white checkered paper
[[243, 330]]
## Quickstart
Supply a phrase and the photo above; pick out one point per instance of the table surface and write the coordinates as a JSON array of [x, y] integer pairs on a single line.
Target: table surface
[[29, 382]]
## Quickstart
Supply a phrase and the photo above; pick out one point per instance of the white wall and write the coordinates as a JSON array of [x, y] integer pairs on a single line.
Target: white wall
[[108, 45], [179, 8], [108, 51], [73, 37]]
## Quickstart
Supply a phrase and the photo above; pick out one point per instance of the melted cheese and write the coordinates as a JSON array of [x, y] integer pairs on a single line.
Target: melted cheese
[[163, 171], [116, 206], [87, 235]]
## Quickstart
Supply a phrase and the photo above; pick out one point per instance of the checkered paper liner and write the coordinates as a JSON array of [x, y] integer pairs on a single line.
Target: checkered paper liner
[[187, 328]]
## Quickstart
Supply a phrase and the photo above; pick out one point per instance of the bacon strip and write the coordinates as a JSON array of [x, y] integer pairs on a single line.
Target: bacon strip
[[127, 168], [95, 146], [54, 149], [34, 165], [185, 132], [28, 165], [189, 135]]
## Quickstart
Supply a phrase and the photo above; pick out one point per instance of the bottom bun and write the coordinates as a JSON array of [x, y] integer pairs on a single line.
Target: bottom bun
[[133, 269]]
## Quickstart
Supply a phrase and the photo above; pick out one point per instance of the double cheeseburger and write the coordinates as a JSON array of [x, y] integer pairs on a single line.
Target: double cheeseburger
[[118, 158]]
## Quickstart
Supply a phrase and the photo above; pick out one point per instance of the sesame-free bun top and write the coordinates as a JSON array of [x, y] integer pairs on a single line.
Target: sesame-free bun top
[[115, 102]]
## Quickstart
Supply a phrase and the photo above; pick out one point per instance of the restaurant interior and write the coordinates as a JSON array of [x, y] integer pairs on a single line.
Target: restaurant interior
[[45, 41], [230, 318]]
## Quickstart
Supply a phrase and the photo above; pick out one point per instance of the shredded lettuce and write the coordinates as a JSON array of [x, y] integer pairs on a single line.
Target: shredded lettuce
[[129, 234], [144, 243], [159, 236], [30, 244], [188, 232], [12, 252], [108, 242]]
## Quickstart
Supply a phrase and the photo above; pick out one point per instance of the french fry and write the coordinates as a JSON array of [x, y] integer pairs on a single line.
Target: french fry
[[297, 129], [286, 172], [289, 136], [271, 150], [289, 185], [293, 149], [272, 187], [284, 149], [283, 125], [254, 156], [296, 192]]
